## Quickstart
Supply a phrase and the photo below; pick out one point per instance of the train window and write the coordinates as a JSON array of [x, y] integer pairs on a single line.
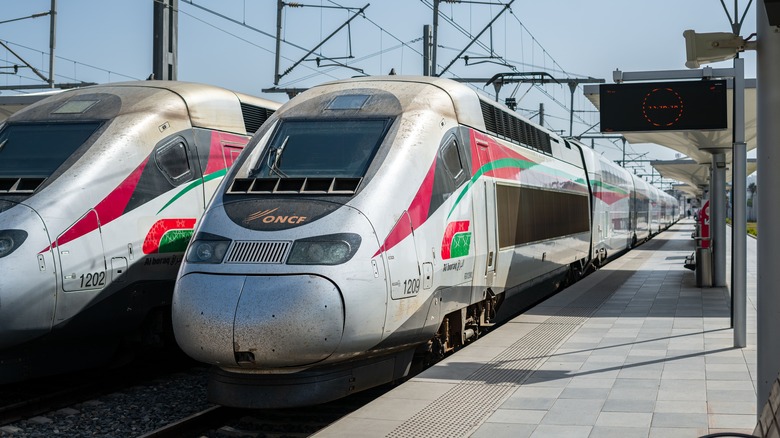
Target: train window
[[451, 156], [75, 107], [348, 102], [38, 149], [530, 214], [337, 148], [173, 162]]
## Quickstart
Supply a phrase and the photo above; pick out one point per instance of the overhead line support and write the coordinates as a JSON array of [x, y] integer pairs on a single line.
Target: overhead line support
[[278, 76], [436, 14]]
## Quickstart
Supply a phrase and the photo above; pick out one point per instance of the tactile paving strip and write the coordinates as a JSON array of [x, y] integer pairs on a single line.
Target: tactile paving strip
[[461, 409]]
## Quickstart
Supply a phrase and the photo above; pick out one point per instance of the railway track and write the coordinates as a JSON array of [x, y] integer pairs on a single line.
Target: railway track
[[222, 422], [209, 418], [27, 400], [102, 408], [34, 402]]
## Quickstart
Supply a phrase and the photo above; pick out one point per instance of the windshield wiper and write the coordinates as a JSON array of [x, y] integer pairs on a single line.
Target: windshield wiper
[[274, 167]]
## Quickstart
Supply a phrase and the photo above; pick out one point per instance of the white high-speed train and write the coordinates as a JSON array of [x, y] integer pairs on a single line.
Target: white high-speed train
[[373, 218], [100, 189]]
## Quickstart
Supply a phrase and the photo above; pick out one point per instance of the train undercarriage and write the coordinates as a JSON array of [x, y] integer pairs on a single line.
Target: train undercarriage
[[461, 327]]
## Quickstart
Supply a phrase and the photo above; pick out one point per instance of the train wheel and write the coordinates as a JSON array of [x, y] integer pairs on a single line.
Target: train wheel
[[601, 259], [576, 272]]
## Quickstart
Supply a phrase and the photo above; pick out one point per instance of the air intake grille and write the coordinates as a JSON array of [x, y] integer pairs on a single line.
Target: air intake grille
[[248, 251], [254, 116], [287, 186], [509, 127]]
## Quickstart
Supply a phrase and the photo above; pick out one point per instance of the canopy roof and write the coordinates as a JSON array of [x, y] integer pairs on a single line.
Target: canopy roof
[[695, 176]]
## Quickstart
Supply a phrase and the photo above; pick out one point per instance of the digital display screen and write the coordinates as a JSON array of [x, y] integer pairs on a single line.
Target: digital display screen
[[663, 106]]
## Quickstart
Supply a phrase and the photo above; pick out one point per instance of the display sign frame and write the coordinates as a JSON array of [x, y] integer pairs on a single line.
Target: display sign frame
[[699, 105]]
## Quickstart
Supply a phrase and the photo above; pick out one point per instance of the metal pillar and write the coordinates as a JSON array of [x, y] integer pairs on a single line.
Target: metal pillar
[[165, 50], [739, 211], [572, 88], [52, 40], [435, 37], [623, 161], [427, 46], [718, 219], [279, 7], [768, 159]]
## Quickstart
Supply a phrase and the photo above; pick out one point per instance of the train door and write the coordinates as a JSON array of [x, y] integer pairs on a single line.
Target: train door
[[484, 205], [403, 266], [82, 265], [490, 228]]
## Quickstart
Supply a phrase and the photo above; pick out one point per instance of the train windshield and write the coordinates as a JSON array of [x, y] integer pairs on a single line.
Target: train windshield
[[38, 149], [322, 148]]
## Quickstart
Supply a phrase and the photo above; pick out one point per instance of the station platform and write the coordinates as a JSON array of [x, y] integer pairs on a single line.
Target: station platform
[[633, 350]]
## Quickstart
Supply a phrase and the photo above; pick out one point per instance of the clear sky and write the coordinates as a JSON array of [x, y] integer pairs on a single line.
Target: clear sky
[[111, 40]]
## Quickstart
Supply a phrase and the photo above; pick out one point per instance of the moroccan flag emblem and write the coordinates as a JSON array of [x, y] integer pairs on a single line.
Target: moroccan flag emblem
[[456, 241], [169, 235]]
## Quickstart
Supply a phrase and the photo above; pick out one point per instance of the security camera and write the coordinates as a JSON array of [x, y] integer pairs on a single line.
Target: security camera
[[703, 48]]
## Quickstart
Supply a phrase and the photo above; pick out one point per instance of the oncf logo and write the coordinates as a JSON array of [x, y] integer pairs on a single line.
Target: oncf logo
[[284, 219], [267, 217]]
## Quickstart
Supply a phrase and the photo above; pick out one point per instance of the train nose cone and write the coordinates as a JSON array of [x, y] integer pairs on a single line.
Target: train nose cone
[[27, 276], [257, 321]]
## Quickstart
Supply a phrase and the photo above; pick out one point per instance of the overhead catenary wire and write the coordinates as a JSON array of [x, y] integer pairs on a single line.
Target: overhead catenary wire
[[260, 31], [62, 58], [548, 62]]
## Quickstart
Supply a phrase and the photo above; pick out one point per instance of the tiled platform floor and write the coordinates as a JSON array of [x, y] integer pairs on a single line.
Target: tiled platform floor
[[633, 350]]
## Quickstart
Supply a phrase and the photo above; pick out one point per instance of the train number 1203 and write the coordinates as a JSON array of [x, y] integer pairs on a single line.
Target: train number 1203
[[93, 279]]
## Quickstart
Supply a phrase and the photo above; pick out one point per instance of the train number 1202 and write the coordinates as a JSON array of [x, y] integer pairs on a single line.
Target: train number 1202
[[93, 279], [412, 286]]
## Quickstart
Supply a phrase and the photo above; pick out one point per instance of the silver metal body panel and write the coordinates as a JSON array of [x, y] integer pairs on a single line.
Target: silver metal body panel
[[364, 293], [208, 107], [300, 321], [27, 315]]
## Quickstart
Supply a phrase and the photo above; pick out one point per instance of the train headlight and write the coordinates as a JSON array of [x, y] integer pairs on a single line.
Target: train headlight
[[333, 249], [10, 240], [207, 251]]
